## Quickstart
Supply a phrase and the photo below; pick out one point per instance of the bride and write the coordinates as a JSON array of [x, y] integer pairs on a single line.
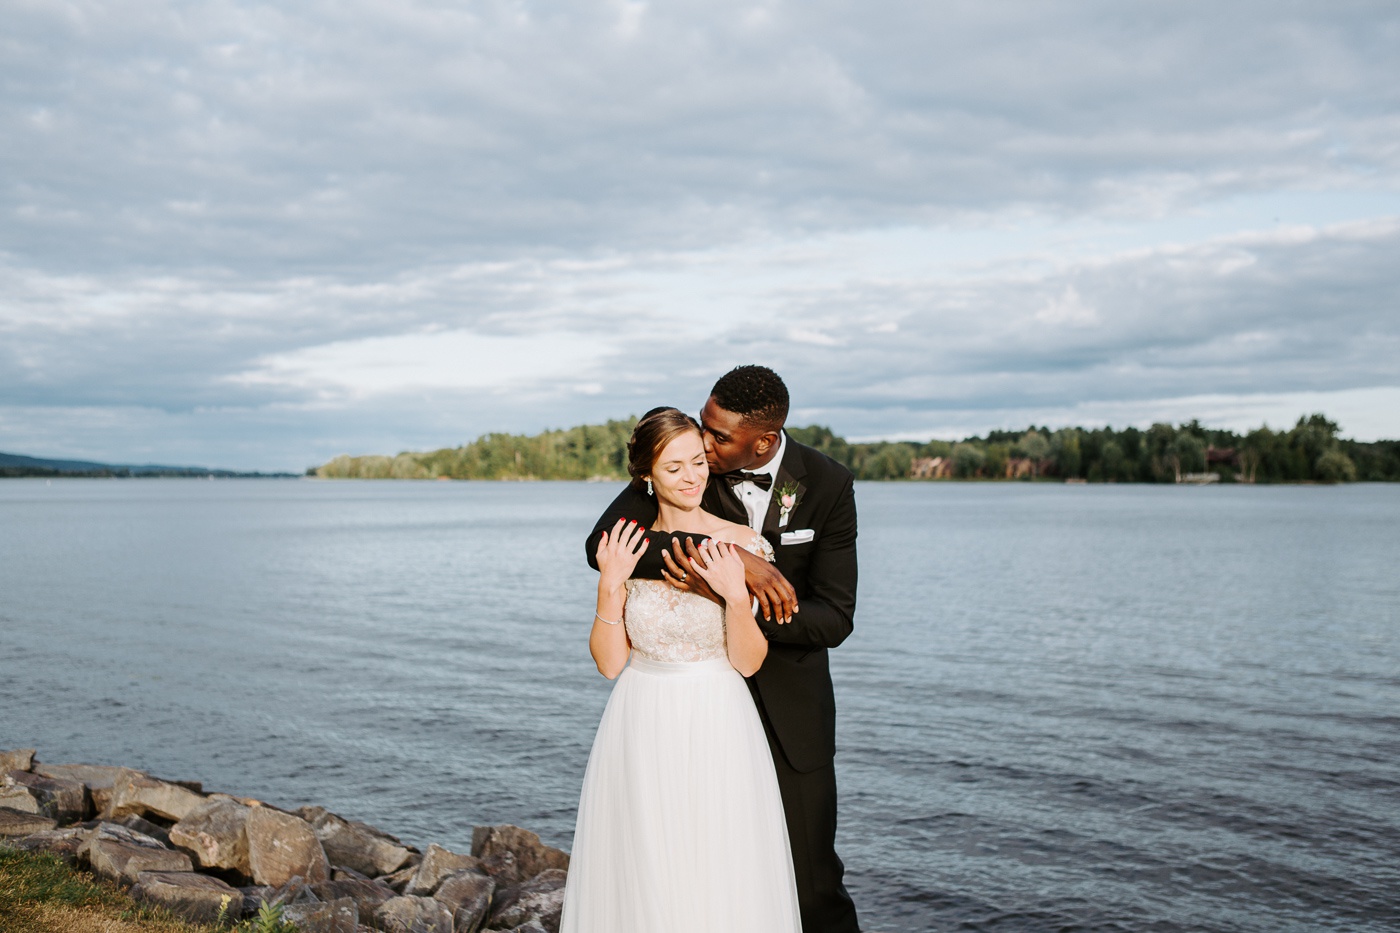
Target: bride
[[680, 824]]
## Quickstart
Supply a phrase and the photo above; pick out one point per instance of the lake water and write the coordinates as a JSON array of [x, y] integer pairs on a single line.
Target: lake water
[[1063, 708]]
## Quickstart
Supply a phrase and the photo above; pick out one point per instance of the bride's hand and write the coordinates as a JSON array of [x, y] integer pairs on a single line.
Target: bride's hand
[[719, 566], [618, 553]]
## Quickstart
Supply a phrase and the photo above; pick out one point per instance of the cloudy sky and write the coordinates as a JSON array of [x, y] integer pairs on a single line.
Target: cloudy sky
[[256, 235]]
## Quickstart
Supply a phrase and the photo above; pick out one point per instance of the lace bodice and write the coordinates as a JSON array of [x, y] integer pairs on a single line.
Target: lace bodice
[[665, 624]]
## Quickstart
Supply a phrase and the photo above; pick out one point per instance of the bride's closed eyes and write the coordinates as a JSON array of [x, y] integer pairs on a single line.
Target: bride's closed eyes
[[676, 467]]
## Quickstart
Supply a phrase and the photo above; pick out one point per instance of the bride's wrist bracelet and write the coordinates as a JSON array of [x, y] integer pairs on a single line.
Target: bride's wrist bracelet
[[606, 621]]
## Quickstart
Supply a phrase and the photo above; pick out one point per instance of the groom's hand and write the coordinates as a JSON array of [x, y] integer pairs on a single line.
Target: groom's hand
[[674, 572], [777, 600]]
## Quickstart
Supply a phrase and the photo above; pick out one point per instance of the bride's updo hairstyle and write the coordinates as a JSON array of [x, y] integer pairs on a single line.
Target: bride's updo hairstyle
[[653, 432]]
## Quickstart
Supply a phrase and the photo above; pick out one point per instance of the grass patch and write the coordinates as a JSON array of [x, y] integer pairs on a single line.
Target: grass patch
[[40, 878], [40, 893]]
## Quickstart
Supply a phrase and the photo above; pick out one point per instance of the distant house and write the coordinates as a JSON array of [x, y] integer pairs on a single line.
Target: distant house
[[931, 468], [1215, 457], [1017, 467], [1222, 456]]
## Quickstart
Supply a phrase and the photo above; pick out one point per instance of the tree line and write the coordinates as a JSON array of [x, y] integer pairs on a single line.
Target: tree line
[[1310, 451], [590, 451]]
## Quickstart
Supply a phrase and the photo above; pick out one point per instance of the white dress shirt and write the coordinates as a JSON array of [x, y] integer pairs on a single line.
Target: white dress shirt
[[756, 500]]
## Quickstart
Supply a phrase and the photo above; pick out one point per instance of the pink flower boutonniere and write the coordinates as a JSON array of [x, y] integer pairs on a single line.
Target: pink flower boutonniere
[[788, 495]]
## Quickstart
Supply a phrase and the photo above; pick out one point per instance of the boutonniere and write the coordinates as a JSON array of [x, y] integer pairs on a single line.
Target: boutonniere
[[788, 495]]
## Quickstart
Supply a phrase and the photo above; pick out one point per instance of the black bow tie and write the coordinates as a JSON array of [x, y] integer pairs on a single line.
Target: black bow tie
[[761, 480]]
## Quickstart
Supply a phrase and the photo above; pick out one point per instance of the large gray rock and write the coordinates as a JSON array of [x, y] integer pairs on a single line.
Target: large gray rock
[[295, 891], [120, 854], [349, 844], [215, 835], [503, 867], [19, 759], [438, 863], [123, 833], [541, 898], [413, 915], [97, 778], [18, 823], [145, 827], [254, 896], [337, 916], [281, 846], [468, 895], [530, 854], [57, 798], [366, 894], [400, 879], [141, 794], [63, 843], [197, 898], [529, 926], [18, 798]]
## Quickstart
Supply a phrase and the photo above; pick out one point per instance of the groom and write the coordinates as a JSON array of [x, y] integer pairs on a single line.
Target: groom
[[803, 502]]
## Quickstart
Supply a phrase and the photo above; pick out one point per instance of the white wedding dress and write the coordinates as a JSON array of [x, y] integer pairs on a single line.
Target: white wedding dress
[[680, 824]]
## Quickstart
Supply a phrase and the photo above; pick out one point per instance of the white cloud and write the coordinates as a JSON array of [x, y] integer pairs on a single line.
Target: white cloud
[[1067, 308], [410, 363], [814, 337], [326, 229], [445, 354], [357, 139]]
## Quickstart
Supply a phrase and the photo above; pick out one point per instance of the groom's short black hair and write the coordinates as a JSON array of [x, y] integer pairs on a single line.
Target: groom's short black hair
[[757, 393]]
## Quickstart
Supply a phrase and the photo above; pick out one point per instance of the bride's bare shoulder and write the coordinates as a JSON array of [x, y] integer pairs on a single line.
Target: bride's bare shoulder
[[743, 536], [732, 532]]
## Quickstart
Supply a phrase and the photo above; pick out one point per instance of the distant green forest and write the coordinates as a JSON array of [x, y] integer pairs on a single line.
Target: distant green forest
[[1310, 451], [18, 465]]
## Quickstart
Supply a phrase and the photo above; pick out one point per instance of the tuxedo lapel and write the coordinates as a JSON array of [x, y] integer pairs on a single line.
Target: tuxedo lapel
[[720, 500], [790, 473]]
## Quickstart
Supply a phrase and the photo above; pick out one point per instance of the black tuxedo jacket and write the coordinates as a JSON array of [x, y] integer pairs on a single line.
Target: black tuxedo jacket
[[793, 687]]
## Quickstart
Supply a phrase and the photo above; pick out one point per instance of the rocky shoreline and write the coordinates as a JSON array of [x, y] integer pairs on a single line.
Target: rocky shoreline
[[204, 855]]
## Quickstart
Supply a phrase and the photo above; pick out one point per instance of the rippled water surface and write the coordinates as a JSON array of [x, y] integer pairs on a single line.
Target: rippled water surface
[[1063, 708]]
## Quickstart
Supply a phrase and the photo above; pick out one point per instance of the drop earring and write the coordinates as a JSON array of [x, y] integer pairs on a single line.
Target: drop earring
[[648, 486]]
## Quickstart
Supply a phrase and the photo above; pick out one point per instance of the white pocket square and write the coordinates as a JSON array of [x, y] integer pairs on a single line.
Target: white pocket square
[[800, 536]]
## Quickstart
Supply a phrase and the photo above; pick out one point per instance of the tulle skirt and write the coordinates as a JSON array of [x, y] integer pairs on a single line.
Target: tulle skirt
[[680, 823]]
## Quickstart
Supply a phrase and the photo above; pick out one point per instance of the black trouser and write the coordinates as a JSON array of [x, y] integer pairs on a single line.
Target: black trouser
[[809, 803]]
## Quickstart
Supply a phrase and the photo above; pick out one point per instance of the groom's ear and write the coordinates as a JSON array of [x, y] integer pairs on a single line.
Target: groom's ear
[[766, 442]]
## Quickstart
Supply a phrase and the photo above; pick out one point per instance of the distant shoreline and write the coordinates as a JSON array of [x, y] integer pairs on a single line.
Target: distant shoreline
[[1311, 451], [959, 481], [19, 466], [9, 473], [1190, 454]]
